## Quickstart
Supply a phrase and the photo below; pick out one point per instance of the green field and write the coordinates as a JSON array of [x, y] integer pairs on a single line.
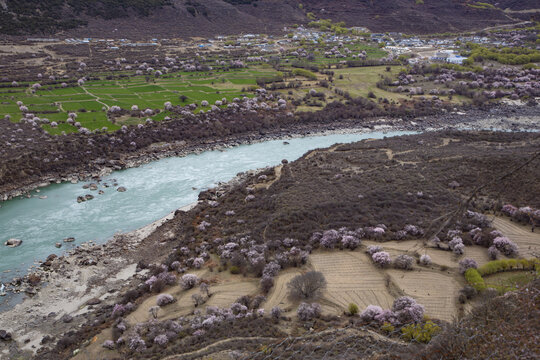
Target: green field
[[92, 100], [362, 80]]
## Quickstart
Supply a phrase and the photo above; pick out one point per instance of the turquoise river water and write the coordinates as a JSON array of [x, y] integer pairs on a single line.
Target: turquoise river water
[[153, 190]]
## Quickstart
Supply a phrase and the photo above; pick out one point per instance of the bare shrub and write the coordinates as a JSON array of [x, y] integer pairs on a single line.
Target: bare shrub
[[266, 284], [197, 299], [307, 285]]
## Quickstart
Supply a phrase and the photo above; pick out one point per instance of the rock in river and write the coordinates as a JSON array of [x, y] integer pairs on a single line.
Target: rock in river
[[69, 239], [13, 242], [121, 189]]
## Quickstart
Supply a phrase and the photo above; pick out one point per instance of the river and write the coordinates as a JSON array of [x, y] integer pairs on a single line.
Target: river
[[153, 191]]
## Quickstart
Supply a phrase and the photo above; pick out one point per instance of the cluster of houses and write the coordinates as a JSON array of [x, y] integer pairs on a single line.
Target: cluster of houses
[[395, 43], [448, 56]]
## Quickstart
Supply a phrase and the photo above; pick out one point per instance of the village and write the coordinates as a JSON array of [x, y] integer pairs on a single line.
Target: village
[[418, 49]]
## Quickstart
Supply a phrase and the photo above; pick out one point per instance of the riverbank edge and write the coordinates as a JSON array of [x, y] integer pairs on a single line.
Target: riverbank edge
[[64, 297], [181, 148]]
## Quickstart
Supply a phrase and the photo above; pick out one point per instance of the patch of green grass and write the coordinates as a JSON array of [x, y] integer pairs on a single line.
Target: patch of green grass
[[509, 281], [76, 106], [68, 129], [242, 81], [359, 81]]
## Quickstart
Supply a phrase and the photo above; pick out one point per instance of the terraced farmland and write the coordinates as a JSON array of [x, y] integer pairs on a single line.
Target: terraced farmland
[[92, 100]]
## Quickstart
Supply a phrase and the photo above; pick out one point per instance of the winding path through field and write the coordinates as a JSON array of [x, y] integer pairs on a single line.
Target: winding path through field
[[98, 99]]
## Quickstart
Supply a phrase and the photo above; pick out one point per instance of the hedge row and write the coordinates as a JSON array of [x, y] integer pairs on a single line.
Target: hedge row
[[475, 279], [496, 266]]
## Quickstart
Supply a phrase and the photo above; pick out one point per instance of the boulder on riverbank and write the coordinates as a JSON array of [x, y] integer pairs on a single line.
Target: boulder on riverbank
[[4, 335], [13, 242]]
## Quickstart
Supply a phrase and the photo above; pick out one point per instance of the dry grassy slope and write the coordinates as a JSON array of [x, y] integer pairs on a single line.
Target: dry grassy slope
[[269, 16], [359, 185], [212, 17], [433, 16]]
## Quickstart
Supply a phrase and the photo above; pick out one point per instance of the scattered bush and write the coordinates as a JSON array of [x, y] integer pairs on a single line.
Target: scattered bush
[[372, 249], [109, 344], [388, 328], [266, 284], [164, 299], [381, 259], [275, 313], [420, 333], [352, 309], [370, 313], [403, 262], [425, 260], [467, 263], [188, 281], [307, 312], [493, 253], [505, 246]]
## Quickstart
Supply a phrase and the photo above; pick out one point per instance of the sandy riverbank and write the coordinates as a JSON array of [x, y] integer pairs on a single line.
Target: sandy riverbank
[[72, 287]]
